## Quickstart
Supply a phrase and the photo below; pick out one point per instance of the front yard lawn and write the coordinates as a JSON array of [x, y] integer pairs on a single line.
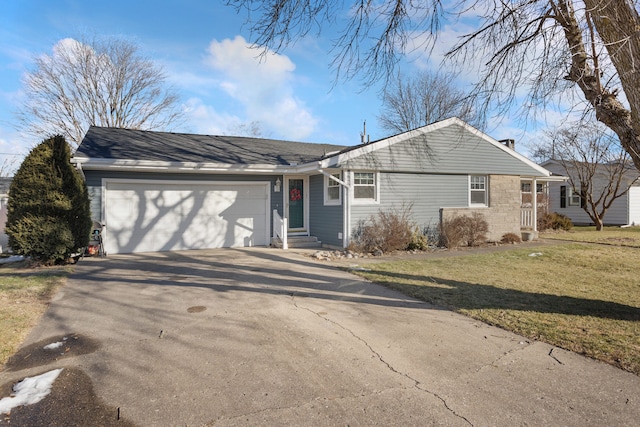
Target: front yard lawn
[[24, 295], [581, 297], [617, 236]]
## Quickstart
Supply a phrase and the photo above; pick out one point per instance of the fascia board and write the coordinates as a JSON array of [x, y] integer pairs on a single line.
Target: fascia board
[[553, 178], [181, 167]]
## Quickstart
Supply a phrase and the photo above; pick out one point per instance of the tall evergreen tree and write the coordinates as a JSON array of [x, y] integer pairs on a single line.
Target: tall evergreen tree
[[48, 213]]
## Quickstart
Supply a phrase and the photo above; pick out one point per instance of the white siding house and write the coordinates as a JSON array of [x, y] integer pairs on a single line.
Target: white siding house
[[5, 183], [634, 204], [158, 191], [624, 211]]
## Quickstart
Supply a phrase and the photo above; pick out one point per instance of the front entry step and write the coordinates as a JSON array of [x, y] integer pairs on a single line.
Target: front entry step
[[298, 242]]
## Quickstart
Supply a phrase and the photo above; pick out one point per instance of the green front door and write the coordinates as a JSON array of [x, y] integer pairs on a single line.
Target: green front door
[[296, 203]]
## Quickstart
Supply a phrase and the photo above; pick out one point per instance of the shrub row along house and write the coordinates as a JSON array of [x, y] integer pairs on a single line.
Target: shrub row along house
[[158, 191]]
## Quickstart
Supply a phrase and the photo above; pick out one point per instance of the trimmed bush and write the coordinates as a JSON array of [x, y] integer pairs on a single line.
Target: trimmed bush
[[419, 241], [463, 230], [554, 221], [48, 212], [388, 231], [510, 238]]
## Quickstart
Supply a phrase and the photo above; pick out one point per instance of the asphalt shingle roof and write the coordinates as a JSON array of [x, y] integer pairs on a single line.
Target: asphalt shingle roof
[[126, 144]]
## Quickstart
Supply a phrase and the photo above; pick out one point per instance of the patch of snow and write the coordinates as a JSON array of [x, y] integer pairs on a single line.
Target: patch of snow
[[536, 254], [53, 345], [12, 258], [359, 269], [29, 391]]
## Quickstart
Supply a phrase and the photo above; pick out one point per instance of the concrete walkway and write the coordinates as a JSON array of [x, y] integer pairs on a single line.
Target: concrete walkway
[[255, 337]]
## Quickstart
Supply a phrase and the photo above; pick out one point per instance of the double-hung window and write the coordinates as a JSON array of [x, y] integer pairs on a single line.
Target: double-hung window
[[365, 187], [333, 190], [574, 198], [525, 187], [478, 190], [568, 197]]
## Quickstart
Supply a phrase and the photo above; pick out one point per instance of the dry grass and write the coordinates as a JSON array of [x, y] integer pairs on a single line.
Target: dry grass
[[24, 295], [609, 235], [581, 297]]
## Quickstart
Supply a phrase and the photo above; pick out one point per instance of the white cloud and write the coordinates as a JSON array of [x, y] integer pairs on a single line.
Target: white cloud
[[239, 59], [263, 85], [206, 120], [192, 81]]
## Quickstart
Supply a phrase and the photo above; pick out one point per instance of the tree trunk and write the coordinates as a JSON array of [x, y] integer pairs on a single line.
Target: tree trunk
[[618, 24], [599, 225]]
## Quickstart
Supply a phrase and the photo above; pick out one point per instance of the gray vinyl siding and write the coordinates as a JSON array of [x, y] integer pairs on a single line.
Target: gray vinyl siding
[[325, 222], [450, 150], [426, 194], [94, 185], [617, 214]]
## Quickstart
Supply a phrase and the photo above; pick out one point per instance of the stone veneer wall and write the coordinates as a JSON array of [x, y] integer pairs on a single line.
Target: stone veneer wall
[[503, 213]]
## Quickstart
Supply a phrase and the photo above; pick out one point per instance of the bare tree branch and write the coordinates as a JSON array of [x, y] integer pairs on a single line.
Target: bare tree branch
[[414, 101], [535, 45], [103, 83]]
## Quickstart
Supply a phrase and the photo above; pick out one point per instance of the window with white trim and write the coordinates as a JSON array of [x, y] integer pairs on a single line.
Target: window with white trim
[[332, 190], [574, 198], [365, 187], [525, 187], [478, 190]]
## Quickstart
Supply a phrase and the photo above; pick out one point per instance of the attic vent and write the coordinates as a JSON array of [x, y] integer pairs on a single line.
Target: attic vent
[[509, 143]]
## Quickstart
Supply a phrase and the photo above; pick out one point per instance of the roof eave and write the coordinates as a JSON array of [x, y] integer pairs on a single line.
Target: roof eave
[[180, 167]]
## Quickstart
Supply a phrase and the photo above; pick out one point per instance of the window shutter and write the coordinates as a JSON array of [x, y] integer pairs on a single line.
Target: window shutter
[[563, 196], [583, 199]]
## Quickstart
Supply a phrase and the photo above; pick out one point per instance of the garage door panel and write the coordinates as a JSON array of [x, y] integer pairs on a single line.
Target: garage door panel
[[148, 217]]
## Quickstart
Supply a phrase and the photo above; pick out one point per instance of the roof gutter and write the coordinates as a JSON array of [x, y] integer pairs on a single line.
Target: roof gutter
[[552, 178], [181, 167]]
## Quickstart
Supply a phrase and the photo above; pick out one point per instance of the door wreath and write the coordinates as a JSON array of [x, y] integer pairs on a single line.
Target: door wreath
[[295, 195]]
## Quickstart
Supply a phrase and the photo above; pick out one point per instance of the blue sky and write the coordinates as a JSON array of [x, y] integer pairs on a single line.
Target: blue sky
[[203, 48]]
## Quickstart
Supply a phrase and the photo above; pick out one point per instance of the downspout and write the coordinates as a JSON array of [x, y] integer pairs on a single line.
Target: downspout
[[346, 211], [328, 175], [534, 218], [78, 166], [346, 223]]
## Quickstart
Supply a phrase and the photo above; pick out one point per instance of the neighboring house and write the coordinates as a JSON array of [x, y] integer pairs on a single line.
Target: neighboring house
[[562, 199], [5, 183], [158, 191]]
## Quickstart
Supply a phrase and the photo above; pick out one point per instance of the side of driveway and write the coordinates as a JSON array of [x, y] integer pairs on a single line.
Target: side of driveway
[[252, 337]]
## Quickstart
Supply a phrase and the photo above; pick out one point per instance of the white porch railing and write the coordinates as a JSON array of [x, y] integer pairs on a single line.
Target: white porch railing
[[280, 228], [526, 218]]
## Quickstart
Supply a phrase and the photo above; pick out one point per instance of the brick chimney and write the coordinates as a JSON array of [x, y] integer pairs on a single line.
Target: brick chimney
[[509, 143]]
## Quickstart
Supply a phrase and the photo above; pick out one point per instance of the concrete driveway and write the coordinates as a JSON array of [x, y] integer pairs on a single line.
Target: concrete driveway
[[248, 337]]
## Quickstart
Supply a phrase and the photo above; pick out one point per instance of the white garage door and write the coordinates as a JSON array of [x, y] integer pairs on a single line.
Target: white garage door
[[151, 216]]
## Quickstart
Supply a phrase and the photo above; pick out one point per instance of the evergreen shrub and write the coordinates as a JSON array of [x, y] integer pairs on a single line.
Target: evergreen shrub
[[48, 212]]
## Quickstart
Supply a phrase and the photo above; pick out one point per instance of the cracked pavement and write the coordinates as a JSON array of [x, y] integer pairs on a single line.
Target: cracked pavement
[[252, 337]]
